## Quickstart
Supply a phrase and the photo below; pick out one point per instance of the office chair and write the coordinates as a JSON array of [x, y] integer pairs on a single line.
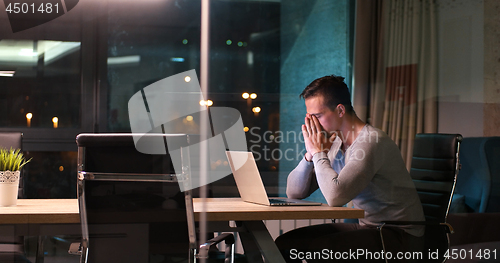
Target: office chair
[[131, 206], [479, 185], [12, 248], [11, 139], [434, 170]]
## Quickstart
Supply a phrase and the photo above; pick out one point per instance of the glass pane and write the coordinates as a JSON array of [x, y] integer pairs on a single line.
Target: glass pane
[[50, 175], [271, 49], [245, 75], [40, 82], [274, 49], [147, 41]]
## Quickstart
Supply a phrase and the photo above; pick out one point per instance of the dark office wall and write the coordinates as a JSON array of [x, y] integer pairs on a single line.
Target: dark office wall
[[314, 43]]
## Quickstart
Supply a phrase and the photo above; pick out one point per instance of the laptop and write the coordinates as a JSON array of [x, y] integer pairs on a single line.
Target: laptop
[[250, 183]]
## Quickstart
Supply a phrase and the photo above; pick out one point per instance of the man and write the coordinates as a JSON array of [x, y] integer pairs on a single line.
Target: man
[[349, 160]]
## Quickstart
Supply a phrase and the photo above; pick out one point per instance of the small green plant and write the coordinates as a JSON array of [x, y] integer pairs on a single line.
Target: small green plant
[[12, 160]]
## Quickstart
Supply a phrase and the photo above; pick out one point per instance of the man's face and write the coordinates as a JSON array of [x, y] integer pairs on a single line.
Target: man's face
[[329, 120]]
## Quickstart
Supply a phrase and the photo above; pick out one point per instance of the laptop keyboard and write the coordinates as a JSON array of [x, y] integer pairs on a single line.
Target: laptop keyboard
[[279, 201]]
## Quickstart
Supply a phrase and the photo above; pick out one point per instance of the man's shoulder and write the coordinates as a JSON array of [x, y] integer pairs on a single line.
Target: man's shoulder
[[375, 139], [372, 134]]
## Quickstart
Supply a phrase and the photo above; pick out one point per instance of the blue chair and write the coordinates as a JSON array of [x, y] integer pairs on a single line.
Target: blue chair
[[475, 209], [478, 189]]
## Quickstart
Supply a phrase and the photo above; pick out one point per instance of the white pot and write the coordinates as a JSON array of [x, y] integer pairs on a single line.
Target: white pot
[[9, 184]]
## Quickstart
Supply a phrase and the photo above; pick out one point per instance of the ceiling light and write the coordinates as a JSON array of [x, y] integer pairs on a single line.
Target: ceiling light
[[27, 52], [7, 73], [124, 60]]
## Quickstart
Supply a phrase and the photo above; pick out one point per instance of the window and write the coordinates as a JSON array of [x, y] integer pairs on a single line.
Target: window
[[45, 93], [38, 76], [268, 49]]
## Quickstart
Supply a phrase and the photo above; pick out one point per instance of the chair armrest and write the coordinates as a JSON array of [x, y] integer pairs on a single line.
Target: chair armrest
[[228, 238], [75, 249], [449, 228]]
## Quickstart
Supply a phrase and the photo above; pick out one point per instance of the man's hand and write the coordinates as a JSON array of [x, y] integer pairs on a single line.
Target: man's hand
[[315, 137]]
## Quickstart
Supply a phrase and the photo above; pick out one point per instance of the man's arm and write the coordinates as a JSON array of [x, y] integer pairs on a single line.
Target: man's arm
[[301, 181], [364, 161]]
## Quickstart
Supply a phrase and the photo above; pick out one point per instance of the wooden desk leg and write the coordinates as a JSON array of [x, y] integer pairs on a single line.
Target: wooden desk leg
[[39, 250], [257, 242]]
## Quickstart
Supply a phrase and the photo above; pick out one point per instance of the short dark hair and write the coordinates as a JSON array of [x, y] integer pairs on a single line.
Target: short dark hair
[[333, 89]]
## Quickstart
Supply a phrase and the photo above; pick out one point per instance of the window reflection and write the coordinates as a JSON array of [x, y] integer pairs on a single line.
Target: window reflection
[[244, 56], [40, 80], [267, 49], [147, 42]]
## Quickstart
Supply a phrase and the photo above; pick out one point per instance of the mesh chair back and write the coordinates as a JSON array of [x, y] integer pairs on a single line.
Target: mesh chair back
[[434, 169]]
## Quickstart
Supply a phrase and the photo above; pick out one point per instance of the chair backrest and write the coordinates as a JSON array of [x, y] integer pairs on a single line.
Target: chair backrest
[[478, 189], [434, 170], [11, 139], [492, 149], [116, 153], [118, 185]]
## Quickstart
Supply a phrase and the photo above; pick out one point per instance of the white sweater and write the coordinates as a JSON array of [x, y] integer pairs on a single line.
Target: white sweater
[[374, 178]]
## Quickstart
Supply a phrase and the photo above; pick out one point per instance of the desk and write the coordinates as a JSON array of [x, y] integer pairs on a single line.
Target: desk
[[36, 213], [254, 235], [41, 211], [65, 211], [40, 217], [226, 209]]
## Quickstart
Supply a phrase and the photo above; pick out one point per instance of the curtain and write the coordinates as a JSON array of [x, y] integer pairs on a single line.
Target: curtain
[[395, 68]]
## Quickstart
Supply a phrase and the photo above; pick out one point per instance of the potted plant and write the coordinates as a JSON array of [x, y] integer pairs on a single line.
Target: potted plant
[[11, 162]]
